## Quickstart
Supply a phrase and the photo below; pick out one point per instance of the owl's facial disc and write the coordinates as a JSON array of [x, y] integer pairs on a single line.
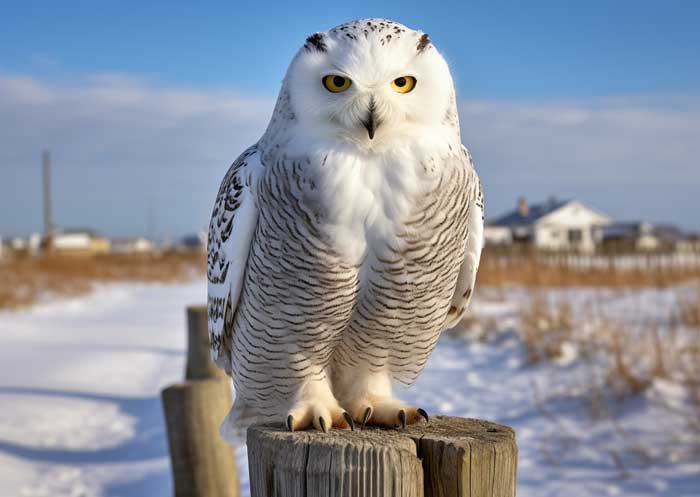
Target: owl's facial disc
[[371, 119], [369, 82]]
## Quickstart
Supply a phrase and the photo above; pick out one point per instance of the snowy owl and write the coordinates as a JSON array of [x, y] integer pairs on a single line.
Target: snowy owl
[[348, 238]]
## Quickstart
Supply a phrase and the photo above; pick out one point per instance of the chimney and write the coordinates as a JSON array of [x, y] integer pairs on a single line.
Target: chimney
[[523, 208]]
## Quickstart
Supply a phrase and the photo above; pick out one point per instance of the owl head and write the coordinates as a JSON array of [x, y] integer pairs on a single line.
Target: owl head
[[369, 81]]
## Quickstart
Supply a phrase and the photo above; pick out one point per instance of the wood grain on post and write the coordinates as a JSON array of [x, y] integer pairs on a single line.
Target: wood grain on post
[[450, 457], [203, 465], [199, 363]]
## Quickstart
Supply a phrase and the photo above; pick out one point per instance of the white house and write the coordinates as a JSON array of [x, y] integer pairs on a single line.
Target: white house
[[551, 225]]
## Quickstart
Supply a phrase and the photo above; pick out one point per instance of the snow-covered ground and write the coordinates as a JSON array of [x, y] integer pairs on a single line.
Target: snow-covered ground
[[81, 416]]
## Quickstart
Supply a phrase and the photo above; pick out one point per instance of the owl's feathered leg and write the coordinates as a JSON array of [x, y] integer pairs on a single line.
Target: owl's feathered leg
[[315, 406], [367, 397]]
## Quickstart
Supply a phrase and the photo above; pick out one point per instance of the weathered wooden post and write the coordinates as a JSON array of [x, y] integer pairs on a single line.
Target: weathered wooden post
[[449, 457], [199, 363], [203, 465]]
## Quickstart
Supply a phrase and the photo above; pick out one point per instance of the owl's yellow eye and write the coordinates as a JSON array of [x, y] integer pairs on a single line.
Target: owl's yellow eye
[[335, 83], [404, 84]]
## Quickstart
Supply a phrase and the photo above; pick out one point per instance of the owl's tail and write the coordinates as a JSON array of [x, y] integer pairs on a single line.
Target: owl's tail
[[239, 418]]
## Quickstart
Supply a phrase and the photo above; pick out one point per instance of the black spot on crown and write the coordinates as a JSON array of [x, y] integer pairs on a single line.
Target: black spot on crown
[[369, 27], [316, 41], [423, 43]]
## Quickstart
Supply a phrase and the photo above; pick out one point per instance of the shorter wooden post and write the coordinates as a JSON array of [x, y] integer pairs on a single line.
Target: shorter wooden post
[[203, 465], [450, 457], [199, 363]]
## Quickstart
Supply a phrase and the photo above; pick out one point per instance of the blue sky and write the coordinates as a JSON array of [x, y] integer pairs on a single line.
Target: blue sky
[[145, 103], [497, 49]]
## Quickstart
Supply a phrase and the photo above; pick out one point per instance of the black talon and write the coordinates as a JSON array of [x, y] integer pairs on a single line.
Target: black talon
[[424, 414], [365, 418], [290, 422], [349, 420], [322, 422], [402, 418]]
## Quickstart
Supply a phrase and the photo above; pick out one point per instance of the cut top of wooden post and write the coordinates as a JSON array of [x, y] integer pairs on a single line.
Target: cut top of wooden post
[[449, 457]]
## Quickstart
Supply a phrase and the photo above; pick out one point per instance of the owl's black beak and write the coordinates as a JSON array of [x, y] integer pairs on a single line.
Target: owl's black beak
[[370, 122]]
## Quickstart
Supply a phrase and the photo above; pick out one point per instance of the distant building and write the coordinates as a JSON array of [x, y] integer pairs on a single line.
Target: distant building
[[132, 246], [195, 242], [644, 237], [79, 242], [552, 225], [691, 243]]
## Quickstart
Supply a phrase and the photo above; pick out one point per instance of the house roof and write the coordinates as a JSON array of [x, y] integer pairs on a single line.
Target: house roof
[[669, 232], [535, 213]]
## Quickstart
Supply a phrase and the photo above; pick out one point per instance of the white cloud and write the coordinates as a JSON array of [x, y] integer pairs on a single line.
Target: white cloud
[[120, 144], [634, 157], [631, 137]]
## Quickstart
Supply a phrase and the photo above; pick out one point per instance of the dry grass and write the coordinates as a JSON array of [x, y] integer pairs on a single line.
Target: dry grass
[[23, 280], [622, 359], [545, 328], [623, 351], [686, 363], [497, 270], [631, 356], [689, 310], [621, 356]]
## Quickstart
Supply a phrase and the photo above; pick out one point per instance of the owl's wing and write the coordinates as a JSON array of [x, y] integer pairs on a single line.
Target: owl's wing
[[231, 231], [474, 245]]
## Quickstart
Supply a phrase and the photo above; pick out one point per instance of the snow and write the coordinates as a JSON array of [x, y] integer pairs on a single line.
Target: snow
[[80, 381]]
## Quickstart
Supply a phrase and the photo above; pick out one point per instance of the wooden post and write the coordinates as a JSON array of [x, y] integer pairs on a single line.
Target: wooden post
[[203, 465], [199, 363], [450, 457]]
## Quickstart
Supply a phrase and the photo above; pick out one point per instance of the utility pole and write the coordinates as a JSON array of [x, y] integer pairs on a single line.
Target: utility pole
[[48, 223]]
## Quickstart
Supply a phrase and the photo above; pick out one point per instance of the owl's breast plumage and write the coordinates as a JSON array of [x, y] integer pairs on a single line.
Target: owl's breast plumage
[[349, 265], [408, 276]]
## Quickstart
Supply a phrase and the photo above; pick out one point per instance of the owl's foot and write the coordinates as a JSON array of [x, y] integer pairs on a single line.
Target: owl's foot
[[319, 410], [387, 412], [318, 416]]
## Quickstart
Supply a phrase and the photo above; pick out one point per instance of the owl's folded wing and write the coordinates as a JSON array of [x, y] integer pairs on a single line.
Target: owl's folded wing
[[231, 232], [475, 242]]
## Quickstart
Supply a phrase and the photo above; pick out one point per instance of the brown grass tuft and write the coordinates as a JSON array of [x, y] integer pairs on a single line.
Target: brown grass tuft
[[545, 328], [689, 310]]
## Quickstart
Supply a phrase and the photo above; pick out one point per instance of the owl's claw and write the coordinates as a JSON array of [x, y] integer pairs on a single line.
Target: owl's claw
[[290, 422], [402, 418], [349, 420], [424, 414], [322, 423], [367, 415], [387, 412]]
